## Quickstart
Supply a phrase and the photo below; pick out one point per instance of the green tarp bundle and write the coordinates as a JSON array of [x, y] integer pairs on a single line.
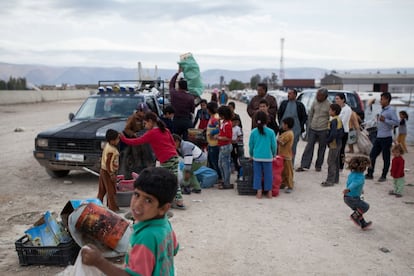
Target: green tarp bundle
[[192, 74]]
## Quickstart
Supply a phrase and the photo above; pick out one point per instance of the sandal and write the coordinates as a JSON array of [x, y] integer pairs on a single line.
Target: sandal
[[179, 206], [225, 187]]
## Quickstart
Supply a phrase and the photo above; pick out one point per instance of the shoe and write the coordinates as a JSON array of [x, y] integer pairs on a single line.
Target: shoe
[[300, 169], [369, 176], [318, 169], [288, 190], [226, 187], [175, 205], [186, 190], [398, 195], [382, 179], [196, 191], [391, 192], [355, 218], [365, 225], [326, 184]]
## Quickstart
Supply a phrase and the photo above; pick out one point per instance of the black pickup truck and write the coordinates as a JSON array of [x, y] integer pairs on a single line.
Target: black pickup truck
[[78, 144]]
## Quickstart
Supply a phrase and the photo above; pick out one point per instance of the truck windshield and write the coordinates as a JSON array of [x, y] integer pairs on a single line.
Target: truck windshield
[[107, 107]]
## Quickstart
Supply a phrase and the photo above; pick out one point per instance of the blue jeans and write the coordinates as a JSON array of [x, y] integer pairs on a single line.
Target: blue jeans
[[262, 169], [224, 162], [381, 145], [212, 158], [356, 203]]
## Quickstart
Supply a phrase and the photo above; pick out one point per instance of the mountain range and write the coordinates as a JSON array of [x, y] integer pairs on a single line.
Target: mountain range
[[57, 75]]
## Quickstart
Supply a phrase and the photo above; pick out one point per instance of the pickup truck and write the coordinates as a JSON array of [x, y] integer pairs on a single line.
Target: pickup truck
[[78, 144]]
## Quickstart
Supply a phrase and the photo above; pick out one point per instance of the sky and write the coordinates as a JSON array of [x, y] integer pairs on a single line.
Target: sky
[[221, 34]]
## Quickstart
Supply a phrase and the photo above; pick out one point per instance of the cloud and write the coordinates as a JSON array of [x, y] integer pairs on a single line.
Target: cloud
[[242, 35]]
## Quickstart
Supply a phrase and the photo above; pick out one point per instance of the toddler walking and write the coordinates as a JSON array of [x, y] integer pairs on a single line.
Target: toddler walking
[[397, 170], [402, 129], [354, 189]]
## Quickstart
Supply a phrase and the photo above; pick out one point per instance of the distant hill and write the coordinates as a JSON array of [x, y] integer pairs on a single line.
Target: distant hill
[[50, 75]]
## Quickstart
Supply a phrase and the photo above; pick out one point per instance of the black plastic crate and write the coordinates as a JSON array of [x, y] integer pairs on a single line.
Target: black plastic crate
[[63, 254], [245, 187], [247, 169]]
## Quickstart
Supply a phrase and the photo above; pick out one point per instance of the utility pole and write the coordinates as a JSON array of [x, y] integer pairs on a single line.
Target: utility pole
[[282, 67]]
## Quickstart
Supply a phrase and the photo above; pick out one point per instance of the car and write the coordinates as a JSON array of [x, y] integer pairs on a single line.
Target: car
[[78, 144], [307, 97]]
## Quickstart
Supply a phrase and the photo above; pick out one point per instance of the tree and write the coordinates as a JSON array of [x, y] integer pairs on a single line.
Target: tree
[[255, 80], [13, 84], [236, 85]]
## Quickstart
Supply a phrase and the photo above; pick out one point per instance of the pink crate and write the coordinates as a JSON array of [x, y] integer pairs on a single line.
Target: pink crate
[[126, 185]]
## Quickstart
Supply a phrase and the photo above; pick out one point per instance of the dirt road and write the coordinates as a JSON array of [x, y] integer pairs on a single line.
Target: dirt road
[[307, 232]]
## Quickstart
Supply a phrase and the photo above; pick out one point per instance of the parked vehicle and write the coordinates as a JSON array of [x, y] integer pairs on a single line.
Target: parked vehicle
[[79, 143], [352, 99]]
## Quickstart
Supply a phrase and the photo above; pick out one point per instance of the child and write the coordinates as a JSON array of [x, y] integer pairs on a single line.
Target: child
[[262, 149], [153, 243], [163, 146], [225, 147], [334, 142], [354, 189], [271, 122], [138, 157], [402, 130], [232, 106], [135, 122], [194, 158], [285, 142], [212, 131], [109, 169], [168, 117], [202, 115], [237, 144], [397, 170]]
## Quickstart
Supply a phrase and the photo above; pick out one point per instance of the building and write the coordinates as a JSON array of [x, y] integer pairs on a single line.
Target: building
[[298, 83], [394, 83]]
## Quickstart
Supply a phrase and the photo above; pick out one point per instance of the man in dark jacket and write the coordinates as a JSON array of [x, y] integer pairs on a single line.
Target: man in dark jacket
[[253, 105], [183, 103], [296, 110]]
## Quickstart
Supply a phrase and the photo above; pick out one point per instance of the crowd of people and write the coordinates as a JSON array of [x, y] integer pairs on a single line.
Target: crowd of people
[[274, 131]]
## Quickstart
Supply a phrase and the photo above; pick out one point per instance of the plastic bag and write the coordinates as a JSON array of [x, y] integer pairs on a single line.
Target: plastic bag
[[206, 176], [80, 269], [363, 142], [192, 74]]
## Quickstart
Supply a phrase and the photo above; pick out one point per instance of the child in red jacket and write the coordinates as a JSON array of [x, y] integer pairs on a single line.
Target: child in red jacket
[[397, 170]]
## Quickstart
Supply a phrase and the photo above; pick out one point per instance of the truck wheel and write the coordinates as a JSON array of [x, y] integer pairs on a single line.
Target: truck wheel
[[57, 174]]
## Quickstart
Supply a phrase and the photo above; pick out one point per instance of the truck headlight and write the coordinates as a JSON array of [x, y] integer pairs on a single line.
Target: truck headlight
[[41, 142]]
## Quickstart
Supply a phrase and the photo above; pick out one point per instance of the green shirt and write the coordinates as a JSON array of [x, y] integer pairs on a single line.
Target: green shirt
[[153, 245]]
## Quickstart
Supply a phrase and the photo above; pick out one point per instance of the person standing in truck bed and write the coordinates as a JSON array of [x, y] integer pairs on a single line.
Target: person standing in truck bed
[[183, 102]]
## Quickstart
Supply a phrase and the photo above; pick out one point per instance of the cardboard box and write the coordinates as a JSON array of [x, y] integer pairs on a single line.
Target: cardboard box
[[47, 231]]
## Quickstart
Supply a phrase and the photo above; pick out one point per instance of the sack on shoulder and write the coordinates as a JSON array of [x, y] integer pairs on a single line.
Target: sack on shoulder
[[364, 143]]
